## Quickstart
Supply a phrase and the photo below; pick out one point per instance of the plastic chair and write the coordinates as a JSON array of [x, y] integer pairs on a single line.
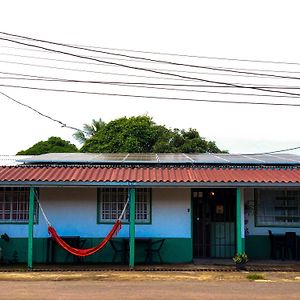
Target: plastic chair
[[277, 245], [156, 249], [291, 249]]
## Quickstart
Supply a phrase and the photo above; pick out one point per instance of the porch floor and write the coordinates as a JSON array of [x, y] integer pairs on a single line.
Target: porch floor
[[225, 265]]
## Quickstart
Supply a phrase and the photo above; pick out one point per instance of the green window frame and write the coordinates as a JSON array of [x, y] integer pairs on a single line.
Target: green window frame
[[277, 208], [111, 202], [14, 205]]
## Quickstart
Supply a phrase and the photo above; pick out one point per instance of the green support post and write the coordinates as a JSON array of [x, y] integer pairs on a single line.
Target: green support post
[[132, 228], [239, 242], [30, 227]]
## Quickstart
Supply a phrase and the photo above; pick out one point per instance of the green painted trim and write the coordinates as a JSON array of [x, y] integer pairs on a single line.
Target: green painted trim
[[36, 212], [137, 222], [239, 243], [132, 228], [174, 251], [30, 227]]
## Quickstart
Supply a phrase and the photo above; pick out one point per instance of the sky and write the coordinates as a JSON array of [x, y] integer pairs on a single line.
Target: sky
[[243, 30]]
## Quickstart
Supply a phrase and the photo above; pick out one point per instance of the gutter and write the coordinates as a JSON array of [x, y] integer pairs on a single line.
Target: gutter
[[149, 184]]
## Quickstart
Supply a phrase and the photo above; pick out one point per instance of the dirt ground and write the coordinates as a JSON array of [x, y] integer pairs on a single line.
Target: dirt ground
[[149, 285], [147, 276]]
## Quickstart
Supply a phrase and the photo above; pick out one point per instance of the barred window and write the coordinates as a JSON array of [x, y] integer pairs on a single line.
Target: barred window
[[278, 208], [112, 201], [14, 205]]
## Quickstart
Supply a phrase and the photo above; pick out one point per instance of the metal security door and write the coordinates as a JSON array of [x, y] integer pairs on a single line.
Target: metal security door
[[213, 222]]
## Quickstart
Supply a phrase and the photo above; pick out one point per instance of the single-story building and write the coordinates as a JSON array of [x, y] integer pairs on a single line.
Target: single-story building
[[193, 205]]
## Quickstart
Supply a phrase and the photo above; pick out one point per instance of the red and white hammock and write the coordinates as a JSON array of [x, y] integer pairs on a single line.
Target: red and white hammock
[[88, 251]]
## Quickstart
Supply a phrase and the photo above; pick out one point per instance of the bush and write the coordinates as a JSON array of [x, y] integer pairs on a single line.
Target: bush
[[240, 258]]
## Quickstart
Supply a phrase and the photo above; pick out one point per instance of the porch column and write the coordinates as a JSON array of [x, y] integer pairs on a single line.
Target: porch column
[[131, 228], [30, 227], [240, 248]]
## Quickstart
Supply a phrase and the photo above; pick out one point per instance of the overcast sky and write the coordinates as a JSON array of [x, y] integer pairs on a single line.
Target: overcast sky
[[251, 30]]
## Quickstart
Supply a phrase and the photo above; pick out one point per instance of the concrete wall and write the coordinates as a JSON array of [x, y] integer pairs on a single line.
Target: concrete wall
[[73, 211]]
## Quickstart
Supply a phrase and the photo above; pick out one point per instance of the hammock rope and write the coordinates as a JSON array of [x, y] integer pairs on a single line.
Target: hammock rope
[[88, 251]]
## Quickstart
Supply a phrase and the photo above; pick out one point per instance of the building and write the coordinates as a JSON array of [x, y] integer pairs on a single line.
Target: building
[[200, 205]]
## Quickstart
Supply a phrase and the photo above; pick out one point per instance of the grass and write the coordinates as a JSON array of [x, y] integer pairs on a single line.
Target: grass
[[255, 277]]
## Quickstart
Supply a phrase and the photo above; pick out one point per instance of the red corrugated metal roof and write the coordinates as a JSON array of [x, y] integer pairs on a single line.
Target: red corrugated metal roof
[[65, 174]]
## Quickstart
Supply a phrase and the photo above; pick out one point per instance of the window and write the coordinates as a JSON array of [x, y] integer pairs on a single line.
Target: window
[[14, 205], [112, 201], [278, 208]]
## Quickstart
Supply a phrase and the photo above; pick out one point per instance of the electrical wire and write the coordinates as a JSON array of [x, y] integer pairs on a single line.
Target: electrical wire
[[153, 97], [157, 69], [142, 85], [169, 54], [147, 59], [166, 84], [147, 70], [93, 72], [132, 60], [62, 124]]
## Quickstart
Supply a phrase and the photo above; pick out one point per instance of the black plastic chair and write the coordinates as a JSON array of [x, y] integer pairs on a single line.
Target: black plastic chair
[[291, 249], [277, 245], [155, 248], [119, 248]]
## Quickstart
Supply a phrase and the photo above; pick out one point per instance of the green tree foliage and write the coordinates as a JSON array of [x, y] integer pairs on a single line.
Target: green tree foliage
[[140, 134], [52, 145], [88, 131]]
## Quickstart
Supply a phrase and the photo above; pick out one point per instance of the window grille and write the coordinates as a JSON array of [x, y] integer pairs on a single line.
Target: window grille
[[14, 205], [278, 208], [112, 201]]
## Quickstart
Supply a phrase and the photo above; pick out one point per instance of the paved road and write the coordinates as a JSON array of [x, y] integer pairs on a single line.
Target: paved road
[[147, 290]]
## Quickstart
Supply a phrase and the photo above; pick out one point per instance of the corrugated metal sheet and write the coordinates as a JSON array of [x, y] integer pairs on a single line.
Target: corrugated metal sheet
[[66, 174]]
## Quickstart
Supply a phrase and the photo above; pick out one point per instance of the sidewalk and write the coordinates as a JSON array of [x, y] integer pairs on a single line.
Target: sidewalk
[[213, 265]]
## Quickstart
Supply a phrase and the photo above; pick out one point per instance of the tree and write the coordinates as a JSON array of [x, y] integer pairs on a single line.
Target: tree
[[52, 145], [141, 134], [88, 131]]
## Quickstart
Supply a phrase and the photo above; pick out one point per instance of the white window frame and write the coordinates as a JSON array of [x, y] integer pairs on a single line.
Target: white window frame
[[277, 208], [111, 202], [14, 205]]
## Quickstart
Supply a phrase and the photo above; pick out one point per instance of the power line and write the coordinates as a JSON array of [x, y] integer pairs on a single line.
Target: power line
[[133, 60], [163, 84], [41, 114], [141, 85], [157, 69], [147, 70], [144, 58], [169, 54], [192, 56], [93, 72], [275, 151], [153, 97]]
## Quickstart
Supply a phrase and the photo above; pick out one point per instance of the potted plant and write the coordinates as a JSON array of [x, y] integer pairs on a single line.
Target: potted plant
[[240, 260]]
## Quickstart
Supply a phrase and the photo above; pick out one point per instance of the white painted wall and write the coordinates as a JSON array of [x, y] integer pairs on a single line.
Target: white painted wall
[[73, 211], [249, 199]]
